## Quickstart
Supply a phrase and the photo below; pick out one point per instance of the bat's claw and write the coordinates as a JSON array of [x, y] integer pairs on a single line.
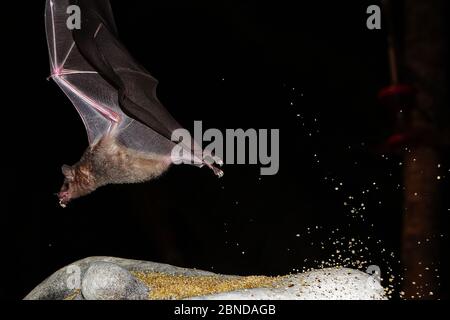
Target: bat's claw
[[213, 160], [219, 173], [218, 161]]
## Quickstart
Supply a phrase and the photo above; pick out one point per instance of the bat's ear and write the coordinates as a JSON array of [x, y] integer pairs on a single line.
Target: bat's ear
[[67, 172]]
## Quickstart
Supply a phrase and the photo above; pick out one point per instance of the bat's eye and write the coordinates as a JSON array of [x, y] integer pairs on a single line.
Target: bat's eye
[[65, 186]]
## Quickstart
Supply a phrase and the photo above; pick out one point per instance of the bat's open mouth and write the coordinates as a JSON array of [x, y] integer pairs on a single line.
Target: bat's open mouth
[[64, 198]]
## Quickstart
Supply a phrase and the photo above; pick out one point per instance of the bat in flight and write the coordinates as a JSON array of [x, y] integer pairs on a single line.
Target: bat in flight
[[129, 130]]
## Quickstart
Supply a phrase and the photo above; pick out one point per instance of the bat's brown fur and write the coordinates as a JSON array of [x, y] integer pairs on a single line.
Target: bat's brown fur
[[108, 162]]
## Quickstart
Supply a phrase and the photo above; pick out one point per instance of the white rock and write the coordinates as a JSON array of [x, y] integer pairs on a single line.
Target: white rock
[[323, 284], [110, 278], [108, 281]]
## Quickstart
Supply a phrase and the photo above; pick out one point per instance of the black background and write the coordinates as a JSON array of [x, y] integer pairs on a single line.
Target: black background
[[231, 64]]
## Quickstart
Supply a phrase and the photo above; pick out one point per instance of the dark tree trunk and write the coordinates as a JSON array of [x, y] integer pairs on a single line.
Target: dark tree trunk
[[424, 58]]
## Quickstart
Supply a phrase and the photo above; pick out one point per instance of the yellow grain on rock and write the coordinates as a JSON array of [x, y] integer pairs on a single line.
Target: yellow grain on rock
[[165, 286], [73, 294]]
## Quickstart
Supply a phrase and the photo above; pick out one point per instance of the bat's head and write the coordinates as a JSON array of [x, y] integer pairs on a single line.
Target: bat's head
[[78, 182]]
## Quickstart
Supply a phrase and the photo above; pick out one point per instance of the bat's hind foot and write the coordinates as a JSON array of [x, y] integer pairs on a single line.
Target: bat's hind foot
[[212, 162], [218, 172]]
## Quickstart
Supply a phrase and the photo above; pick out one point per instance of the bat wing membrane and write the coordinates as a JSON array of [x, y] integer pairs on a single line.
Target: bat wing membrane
[[108, 88], [94, 99]]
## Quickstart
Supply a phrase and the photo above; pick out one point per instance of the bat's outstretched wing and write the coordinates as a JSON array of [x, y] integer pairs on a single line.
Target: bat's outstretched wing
[[100, 77], [98, 42], [109, 89], [76, 77]]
